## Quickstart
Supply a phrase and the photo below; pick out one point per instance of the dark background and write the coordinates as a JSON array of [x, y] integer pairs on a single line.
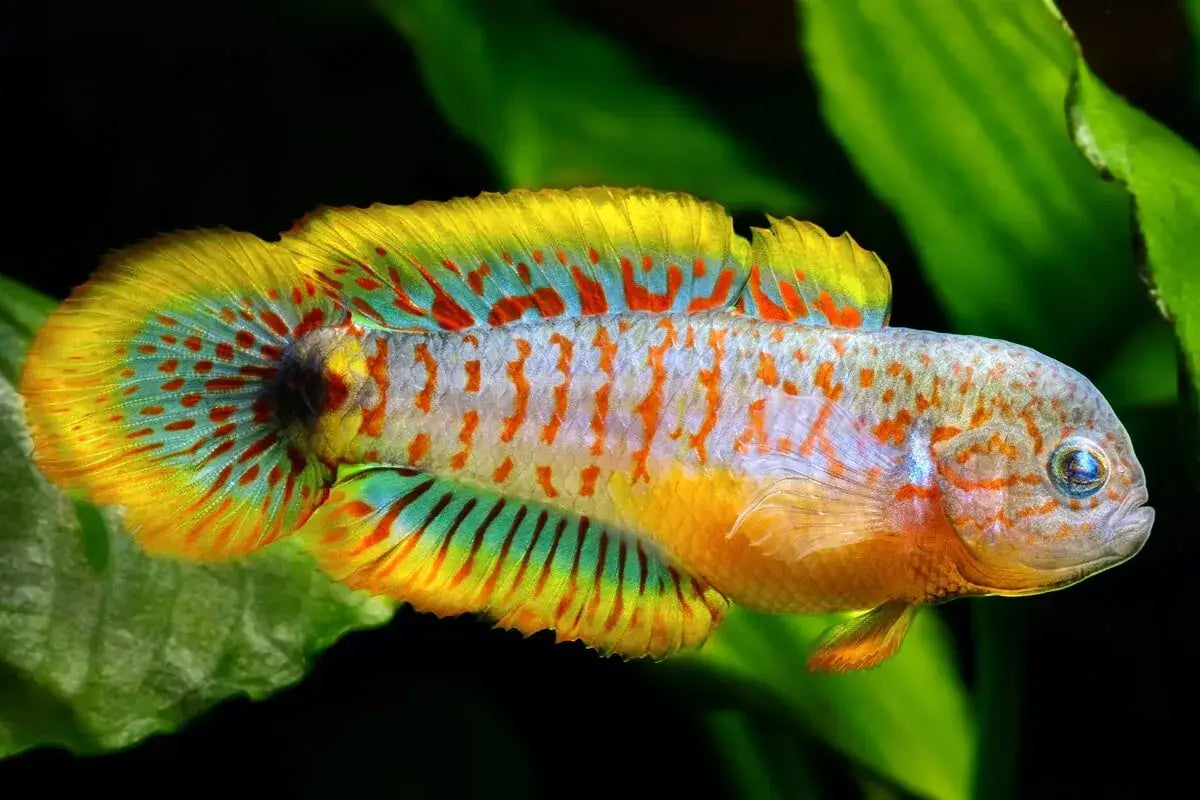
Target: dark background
[[127, 119]]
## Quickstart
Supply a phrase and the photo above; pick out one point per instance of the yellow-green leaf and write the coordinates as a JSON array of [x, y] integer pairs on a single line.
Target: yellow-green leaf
[[907, 720], [1162, 173], [952, 112]]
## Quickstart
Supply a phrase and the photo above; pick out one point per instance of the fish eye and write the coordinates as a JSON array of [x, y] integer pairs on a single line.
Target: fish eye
[[1078, 468]]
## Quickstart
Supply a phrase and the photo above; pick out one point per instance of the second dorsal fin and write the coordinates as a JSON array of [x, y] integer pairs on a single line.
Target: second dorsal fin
[[799, 273], [501, 258]]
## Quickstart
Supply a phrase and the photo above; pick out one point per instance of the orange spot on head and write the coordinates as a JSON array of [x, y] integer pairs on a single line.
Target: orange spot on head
[[943, 433], [982, 415], [866, 377]]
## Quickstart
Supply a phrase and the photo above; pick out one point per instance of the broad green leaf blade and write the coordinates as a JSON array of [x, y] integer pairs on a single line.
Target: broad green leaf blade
[[100, 645], [553, 103], [952, 112], [908, 720], [1162, 173]]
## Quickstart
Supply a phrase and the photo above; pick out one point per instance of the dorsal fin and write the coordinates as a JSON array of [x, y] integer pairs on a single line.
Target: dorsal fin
[[799, 273], [499, 258]]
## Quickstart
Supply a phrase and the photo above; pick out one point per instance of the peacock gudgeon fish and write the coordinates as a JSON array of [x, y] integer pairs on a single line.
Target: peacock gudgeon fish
[[598, 412]]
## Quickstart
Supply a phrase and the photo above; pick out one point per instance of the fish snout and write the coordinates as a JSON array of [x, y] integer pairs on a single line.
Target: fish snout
[[1129, 526]]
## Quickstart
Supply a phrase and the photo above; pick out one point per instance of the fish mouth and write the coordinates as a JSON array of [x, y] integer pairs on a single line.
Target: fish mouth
[[1130, 525]]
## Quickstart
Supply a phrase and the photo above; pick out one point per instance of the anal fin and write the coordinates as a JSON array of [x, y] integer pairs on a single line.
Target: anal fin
[[863, 641], [450, 548]]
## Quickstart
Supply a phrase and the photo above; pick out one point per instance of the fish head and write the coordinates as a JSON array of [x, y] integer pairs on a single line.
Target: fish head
[[1042, 486]]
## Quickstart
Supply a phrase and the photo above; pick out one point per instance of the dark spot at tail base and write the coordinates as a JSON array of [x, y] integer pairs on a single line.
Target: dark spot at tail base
[[300, 391]]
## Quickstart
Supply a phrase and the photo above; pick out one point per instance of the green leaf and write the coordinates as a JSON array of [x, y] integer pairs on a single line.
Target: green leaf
[[21, 312], [907, 720], [553, 103], [100, 645], [1162, 173], [952, 112]]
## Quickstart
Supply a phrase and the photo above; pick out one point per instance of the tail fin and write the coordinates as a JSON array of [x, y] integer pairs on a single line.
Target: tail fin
[[155, 385]]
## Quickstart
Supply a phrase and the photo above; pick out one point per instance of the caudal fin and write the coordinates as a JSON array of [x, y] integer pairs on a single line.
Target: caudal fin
[[155, 386]]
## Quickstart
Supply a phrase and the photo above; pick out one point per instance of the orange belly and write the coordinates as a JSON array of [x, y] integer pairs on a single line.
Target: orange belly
[[690, 516]]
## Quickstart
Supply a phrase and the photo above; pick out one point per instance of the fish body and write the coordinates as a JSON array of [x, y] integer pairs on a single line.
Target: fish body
[[594, 412]]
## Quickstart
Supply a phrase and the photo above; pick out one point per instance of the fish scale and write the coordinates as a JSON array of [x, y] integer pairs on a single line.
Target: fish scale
[[598, 412]]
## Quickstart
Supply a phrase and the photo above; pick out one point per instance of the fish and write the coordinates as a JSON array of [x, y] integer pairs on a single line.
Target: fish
[[599, 412]]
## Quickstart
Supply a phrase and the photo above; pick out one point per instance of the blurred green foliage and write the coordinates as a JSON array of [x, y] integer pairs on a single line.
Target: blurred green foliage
[[966, 117], [553, 103]]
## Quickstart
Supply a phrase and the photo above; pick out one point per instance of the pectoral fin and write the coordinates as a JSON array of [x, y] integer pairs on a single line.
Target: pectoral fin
[[830, 490], [863, 641]]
